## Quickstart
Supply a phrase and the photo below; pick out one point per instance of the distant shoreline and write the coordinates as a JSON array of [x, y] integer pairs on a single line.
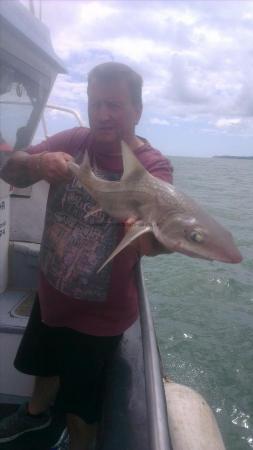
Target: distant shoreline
[[232, 157]]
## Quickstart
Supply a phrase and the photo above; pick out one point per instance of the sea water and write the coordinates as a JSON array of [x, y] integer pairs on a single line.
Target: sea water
[[203, 311]]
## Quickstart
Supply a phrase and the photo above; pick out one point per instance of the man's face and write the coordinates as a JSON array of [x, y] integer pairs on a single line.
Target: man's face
[[112, 114]]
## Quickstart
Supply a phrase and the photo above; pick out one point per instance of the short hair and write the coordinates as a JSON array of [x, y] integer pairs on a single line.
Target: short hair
[[114, 71]]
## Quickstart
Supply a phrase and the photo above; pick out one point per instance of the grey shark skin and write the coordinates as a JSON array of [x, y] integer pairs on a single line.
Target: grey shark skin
[[175, 219]]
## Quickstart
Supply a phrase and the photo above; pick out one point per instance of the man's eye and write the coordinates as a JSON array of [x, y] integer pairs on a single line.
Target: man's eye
[[114, 105]]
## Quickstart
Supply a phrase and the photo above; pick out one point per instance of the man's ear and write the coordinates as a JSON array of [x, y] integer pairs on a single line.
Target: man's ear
[[138, 113]]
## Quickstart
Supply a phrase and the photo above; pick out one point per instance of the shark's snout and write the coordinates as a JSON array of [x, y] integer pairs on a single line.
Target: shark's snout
[[234, 257]]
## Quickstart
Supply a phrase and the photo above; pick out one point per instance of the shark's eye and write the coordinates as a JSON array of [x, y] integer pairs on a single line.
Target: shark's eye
[[197, 236]]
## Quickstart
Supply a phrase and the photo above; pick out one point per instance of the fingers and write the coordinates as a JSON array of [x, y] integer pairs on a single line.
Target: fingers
[[129, 222], [54, 166], [145, 245]]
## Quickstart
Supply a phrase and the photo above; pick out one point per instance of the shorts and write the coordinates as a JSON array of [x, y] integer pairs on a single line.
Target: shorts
[[80, 361]]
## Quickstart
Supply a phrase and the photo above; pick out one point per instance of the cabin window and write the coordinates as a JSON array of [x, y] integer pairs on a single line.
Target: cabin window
[[20, 104]]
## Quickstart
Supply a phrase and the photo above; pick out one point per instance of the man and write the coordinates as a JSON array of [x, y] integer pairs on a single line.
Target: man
[[81, 314]]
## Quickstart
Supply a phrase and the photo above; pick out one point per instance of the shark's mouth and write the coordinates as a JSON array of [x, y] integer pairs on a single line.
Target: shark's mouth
[[196, 255], [231, 258]]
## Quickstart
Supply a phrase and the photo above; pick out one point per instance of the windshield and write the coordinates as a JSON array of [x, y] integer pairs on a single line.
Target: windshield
[[21, 101]]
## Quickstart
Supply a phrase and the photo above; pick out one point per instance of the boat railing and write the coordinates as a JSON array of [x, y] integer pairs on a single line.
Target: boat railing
[[63, 109], [155, 395], [48, 106]]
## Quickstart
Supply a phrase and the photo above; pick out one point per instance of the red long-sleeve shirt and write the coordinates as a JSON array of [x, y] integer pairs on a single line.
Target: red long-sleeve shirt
[[73, 247]]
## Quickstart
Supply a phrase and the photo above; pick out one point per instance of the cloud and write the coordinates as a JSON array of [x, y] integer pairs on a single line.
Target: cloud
[[157, 121], [228, 122], [67, 91], [236, 126], [186, 84], [195, 58], [244, 102]]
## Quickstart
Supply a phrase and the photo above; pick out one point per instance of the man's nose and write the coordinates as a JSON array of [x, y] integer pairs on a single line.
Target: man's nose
[[104, 113]]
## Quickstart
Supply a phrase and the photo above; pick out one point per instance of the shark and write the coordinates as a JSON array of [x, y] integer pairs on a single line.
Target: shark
[[176, 220]]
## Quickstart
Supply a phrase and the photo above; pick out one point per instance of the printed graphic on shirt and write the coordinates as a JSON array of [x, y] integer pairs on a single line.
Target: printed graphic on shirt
[[75, 246]]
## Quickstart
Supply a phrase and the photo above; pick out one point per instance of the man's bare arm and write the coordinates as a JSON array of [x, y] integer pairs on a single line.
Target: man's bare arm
[[23, 169], [20, 170]]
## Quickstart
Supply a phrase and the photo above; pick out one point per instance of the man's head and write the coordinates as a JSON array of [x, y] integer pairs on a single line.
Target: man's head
[[114, 101]]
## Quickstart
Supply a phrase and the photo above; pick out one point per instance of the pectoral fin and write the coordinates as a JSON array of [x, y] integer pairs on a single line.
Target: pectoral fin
[[93, 211], [136, 230]]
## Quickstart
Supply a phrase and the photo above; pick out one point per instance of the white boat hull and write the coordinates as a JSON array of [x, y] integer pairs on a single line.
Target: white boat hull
[[192, 424]]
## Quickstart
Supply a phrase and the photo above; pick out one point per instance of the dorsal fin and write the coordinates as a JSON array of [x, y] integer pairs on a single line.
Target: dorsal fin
[[131, 165], [85, 167]]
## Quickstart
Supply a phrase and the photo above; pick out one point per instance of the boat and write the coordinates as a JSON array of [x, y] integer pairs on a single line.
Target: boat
[[144, 410]]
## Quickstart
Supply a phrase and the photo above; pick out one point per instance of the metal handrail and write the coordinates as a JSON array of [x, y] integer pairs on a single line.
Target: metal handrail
[[49, 106], [155, 395], [60, 108], [69, 110]]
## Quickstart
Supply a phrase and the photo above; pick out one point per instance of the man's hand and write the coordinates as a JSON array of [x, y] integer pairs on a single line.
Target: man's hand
[[22, 169], [53, 167], [147, 244]]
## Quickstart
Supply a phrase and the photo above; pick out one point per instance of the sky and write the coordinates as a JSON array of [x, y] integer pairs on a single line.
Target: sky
[[195, 57]]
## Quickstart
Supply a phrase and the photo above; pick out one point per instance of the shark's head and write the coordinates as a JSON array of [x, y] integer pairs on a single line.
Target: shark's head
[[198, 236]]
